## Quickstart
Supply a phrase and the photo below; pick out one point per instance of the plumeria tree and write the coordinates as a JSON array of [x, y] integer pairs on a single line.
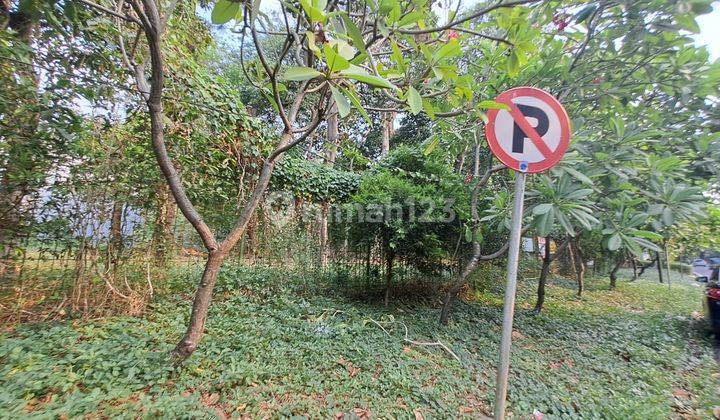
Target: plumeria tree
[[329, 58]]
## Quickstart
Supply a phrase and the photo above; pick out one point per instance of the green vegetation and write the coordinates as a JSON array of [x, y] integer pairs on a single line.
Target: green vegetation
[[285, 167], [273, 347]]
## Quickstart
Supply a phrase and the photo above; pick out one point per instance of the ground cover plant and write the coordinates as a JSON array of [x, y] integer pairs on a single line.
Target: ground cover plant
[[274, 348], [300, 195]]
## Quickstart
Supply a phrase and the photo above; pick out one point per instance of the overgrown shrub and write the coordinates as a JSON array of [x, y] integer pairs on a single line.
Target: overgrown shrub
[[681, 267], [413, 206]]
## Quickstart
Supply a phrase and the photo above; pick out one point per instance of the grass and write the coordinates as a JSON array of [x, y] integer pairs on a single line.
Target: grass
[[274, 349]]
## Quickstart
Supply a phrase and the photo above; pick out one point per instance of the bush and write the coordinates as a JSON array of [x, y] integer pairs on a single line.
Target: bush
[[681, 267], [488, 277]]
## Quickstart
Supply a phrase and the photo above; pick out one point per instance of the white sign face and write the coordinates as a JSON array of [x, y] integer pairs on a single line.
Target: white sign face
[[533, 135]]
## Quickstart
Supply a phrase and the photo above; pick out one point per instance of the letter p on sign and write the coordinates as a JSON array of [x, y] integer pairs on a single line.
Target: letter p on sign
[[533, 135]]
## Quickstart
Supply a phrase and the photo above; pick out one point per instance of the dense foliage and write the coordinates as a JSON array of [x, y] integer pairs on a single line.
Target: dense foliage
[[139, 138]]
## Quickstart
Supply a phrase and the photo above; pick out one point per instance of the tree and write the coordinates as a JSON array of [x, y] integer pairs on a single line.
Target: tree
[[673, 203], [413, 206], [325, 69], [38, 122], [561, 206]]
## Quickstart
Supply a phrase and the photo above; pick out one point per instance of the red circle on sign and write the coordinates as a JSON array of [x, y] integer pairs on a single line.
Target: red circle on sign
[[555, 155]]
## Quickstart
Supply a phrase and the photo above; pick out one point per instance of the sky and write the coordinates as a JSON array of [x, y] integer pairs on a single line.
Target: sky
[[709, 24], [710, 31]]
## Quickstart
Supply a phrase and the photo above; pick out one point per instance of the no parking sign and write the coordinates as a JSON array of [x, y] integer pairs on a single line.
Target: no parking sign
[[531, 136]]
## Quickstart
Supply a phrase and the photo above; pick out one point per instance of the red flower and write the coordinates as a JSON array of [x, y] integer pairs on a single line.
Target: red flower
[[452, 35]]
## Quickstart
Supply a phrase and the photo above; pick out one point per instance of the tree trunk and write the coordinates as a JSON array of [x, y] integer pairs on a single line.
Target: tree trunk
[[333, 136], [667, 260], [367, 262], [115, 242], [331, 148], [460, 162], [644, 267], [580, 269], [323, 234], [162, 238], [613, 273], [477, 256], [452, 294], [544, 271], [659, 265], [388, 276], [153, 26], [573, 260], [635, 269], [387, 133], [201, 304]]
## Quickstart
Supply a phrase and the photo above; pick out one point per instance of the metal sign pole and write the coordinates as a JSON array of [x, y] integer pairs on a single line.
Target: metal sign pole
[[511, 286]]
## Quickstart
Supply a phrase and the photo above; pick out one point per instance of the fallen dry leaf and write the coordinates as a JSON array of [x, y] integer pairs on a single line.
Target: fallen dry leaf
[[517, 335], [681, 393], [352, 369], [465, 410], [418, 414], [210, 399], [362, 413]]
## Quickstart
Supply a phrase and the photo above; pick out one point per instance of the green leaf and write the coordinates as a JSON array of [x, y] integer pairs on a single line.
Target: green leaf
[[414, 100], [311, 42], [614, 242], [542, 209], [334, 60], [410, 18], [429, 108], [490, 104], [432, 144], [356, 103], [649, 235], [513, 65], [314, 14], [667, 217], [447, 51], [354, 33], [359, 74], [397, 57], [297, 74], [342, 102], [687, 22], [478, 236], [618, 126], [546, 222], [578, 175], [224, 11]]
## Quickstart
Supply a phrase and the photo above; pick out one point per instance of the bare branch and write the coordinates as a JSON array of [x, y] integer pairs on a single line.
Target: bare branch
[[151, 22], [109, 11], [466, 18]]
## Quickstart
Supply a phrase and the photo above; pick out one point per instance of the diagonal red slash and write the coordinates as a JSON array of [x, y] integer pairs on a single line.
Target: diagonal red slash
[[528, 129]]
